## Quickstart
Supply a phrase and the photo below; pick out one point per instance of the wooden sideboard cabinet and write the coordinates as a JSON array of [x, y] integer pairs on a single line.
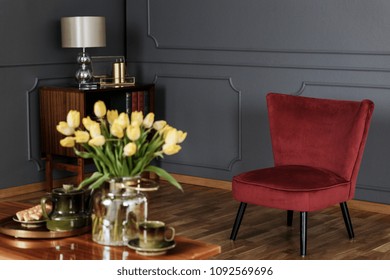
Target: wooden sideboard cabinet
[[55, 103]]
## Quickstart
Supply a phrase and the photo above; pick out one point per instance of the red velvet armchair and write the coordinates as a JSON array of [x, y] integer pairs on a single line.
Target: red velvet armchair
[[318, 146]]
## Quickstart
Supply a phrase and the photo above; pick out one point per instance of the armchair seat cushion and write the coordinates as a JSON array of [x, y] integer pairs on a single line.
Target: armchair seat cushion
[[291, 187]]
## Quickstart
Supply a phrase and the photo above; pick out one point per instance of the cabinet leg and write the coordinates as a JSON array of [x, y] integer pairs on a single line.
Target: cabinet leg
[[48, 173], [80, 171]]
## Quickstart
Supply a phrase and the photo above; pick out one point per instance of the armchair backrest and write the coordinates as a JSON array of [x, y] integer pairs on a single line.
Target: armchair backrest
[[322, 133]]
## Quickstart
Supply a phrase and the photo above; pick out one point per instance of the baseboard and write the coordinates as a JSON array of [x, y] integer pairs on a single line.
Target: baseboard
[[14, 191], [41, 186], [205, 182], [369, 206], [30, 188]]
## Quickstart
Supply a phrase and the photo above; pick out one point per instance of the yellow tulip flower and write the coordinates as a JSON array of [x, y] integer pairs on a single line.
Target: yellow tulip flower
[[158, 125], [67, 142], [117, 130], [148, 120], [97, 141], [64, 128], [133, 132], [137, 118], [165, 130], [81, 136], [112, 115], [171, 136], [87, 122], [99, 109], [130, 149], [95, 130], [171, 149], [73, 118], [123, 120], [181, 136]]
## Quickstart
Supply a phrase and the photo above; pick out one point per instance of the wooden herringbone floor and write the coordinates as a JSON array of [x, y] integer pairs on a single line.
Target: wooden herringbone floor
[[208, 214]]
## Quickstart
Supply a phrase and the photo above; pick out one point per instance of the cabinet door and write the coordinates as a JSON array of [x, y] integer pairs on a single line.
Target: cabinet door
[[55, 104]]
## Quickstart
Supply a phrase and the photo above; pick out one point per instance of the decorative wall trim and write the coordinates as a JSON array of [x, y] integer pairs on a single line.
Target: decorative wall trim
[[259, 50], [30, 156], [381, 194], [267, 66], [29, 92], [238, 157], [149, 34], [34, 64], [373, 188], [305, 84]]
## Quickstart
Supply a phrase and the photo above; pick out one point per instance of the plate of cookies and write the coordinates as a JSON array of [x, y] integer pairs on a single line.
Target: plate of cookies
[[31, 217]]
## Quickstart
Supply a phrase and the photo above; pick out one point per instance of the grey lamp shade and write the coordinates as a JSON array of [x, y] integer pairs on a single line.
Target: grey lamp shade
[[83, 32]]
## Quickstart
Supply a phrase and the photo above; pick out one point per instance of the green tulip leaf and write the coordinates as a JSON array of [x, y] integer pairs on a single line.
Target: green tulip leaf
[[95, 176], [165, 175]]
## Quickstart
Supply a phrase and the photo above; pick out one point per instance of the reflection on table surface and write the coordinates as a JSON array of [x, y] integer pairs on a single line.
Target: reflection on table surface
[[81, 247]]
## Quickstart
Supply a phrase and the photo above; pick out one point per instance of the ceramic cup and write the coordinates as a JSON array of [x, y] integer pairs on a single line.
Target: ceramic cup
[[154, 234]]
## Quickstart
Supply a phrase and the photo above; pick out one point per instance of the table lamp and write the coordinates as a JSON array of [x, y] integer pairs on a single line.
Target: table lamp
[[83, 32]]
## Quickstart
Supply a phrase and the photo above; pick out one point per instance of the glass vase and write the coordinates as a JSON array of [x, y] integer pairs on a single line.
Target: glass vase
[[118, 207]]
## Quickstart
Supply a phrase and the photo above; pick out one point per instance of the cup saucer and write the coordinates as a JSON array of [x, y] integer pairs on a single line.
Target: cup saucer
[[167, 245]]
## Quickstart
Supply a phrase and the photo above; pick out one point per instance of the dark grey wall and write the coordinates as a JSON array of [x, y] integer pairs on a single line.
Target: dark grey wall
[[213, 62], [31, 56]]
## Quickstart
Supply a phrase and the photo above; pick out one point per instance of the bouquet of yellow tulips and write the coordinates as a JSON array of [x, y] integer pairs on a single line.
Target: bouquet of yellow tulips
[[119, 145]]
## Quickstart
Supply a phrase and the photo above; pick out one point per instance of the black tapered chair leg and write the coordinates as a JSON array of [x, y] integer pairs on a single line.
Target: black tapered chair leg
[[237, 222], [290, 214], [303, 233], [347, 219]]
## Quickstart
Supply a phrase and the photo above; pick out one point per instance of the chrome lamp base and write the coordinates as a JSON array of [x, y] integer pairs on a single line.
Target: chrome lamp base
[[84, 75]]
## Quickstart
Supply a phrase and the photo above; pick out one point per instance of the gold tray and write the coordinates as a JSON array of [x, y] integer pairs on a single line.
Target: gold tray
[[109, 82], [11, 228]]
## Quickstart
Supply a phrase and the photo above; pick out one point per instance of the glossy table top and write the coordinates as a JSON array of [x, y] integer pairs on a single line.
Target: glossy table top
[[81, 247]]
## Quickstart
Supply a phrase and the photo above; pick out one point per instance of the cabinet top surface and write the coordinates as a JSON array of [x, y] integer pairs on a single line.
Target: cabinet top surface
[[70, 88]]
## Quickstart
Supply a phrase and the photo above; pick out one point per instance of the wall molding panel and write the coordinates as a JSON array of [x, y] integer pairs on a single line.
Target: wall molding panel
[[268, 66], [185, 12], [227, 125], [306, 84], [33, 130]]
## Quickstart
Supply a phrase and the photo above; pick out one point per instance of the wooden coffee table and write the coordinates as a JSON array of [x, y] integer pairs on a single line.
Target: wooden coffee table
[[81, 247]]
